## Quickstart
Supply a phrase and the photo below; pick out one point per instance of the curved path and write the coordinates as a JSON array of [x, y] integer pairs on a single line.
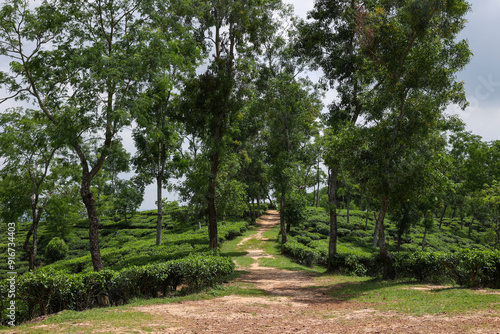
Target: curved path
[[296, 302]]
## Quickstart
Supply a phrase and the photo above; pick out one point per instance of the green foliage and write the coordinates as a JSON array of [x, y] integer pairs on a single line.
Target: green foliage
[[467, 267], [295, 212], [300, 252], [135, 246], [449, 260], [56, 250]]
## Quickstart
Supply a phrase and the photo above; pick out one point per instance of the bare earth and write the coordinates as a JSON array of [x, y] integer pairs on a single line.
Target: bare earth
[[296, 304]]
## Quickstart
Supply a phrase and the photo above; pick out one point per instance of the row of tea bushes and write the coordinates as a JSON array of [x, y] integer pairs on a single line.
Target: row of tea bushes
[[49, 291]]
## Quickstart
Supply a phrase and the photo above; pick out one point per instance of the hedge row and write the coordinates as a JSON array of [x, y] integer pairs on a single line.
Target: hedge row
[[303, 254], [47, 292], [472, 268]]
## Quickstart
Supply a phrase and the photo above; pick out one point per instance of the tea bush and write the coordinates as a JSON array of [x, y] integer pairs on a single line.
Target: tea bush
[[56, 250]]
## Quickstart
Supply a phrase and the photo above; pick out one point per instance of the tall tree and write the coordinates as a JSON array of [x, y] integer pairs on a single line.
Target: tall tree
[[29, 160], [329, 41], [156, 141], [292, 110], [233, 31], [175, 53], [412, 55]]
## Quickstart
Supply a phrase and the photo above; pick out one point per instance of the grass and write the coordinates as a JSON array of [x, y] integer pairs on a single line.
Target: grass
[[237, 252], [280, 261], [414, 299], [92, 321]]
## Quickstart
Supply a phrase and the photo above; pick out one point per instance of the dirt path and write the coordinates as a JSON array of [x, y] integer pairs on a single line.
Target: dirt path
[[297, 303]]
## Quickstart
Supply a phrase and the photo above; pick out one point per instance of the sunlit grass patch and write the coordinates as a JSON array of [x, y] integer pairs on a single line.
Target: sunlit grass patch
[[415, 299]]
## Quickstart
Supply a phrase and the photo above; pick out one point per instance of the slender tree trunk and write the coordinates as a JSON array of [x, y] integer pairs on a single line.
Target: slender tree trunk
[[375, 233], [389, 272], [282, 219], [32, 251], [347, 197], [214, 169], [424, 238], [197, 209], [212, 214], [271, 204], [89, 202], [253, 210], [318, 183], [442, 216], [159, 206], [258, 206], [332, 199]]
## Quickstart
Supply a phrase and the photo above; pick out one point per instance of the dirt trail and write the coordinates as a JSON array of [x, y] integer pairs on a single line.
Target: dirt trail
[[297, 303]]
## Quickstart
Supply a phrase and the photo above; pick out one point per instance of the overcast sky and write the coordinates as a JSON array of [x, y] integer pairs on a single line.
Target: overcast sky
[[482, 74]]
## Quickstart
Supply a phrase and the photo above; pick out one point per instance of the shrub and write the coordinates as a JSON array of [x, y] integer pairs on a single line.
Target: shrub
[[56, 250], [303, 254], [422, 266], [357, 263], [295, 213], [473, 268], [323, 229]]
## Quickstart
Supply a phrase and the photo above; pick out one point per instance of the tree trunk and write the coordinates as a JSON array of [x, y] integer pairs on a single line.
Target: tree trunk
[[253, 210], [332, 199], [89, 202], [271, 204], [423, 240], [32, 251], [212, 215], [497, 235], [159, 203], [197, 209], [453, 212], [389, 272], [214, 169], [317, 180], [258, 206], [282, 219], [375, 233], [442, 216]]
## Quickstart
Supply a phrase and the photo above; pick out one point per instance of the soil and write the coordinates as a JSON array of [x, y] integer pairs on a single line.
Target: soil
[[297, 303]]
